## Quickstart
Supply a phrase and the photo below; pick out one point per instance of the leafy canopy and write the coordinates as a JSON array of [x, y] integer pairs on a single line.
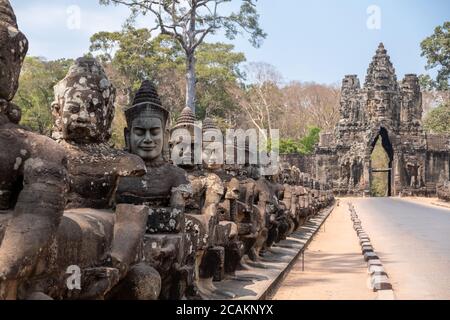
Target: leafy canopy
[[436, 48], [304, 146], [438, 119], [35, 94]]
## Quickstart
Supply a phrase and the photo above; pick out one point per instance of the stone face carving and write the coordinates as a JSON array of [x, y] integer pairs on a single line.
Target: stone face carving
[[13, 50], [124, 223], [104, 244], [163, 189], [83, 112], [211, 230], [32, 173], [387, 110]]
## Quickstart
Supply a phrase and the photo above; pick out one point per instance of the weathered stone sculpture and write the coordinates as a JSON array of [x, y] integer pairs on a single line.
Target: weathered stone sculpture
[[291, 199], [32, 173], [83, 111], [443, 187], [209, 226], [163, 189], [226, 230], [277, 217], [391, 111]]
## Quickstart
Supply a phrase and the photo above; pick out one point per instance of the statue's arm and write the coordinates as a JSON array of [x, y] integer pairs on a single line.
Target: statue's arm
[[36, 217]]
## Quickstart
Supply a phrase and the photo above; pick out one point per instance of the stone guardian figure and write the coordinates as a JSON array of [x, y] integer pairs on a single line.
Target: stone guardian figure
[[32, 173]]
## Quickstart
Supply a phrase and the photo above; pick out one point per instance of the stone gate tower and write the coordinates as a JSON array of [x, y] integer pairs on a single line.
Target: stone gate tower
[[391, 111]]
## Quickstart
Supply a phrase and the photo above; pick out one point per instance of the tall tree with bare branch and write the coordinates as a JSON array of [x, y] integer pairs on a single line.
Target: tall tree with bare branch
[[190, 21]]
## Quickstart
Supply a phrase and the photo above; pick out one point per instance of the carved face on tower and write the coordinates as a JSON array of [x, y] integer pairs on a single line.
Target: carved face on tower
[[146, 119], [84, 104], [13, 48]]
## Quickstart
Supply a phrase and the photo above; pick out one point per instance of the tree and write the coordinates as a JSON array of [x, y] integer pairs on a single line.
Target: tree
[[35, 94], [438, 119], [308, 143], [304, 145], [189, 22], [132, 55], [436, 48], [261, 100], [309, 105]]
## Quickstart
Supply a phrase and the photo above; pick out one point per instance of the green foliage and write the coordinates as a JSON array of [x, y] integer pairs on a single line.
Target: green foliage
[[136, 56], [174, 18], [436, 48], [304, 146], [35, 94], [188, 23], [289, 146], [438, 119], [380, 160], [310, 140]]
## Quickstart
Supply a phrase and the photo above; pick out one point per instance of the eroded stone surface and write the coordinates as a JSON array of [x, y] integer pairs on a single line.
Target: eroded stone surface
[[32, 172], [387, 110], [165, 241]]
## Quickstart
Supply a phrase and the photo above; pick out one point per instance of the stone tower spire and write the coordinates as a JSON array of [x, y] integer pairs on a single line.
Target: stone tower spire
[[381, 73]]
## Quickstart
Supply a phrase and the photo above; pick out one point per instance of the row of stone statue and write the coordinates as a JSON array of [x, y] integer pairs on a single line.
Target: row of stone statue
[[81, 220]]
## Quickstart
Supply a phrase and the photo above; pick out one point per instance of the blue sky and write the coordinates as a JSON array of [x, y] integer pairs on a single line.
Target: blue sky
[[320, 40]]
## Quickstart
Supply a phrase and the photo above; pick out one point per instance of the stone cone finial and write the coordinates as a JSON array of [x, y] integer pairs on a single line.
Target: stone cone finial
[[7, 14], [147, 93], [187, 117], [381, 72], [381, 48]]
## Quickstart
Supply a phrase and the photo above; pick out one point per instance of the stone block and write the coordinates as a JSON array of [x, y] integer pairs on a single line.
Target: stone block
[[162, 251], [165, 220], [366, 248], [370, 256], [376, 269], [380, 282], [374, 262]]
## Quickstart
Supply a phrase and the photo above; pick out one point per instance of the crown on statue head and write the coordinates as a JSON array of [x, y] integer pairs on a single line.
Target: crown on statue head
[[146, 103]]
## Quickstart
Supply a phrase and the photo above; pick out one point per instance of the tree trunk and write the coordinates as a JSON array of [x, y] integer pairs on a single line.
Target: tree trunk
[[190, 81]]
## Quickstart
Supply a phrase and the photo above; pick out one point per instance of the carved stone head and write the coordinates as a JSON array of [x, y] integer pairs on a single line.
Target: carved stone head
[[183, 137], [84, 104], [212, 155], [13, 49], [146, 134]]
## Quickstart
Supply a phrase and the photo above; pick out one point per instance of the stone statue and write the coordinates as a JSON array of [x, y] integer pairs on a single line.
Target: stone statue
[[290, 197], [226, 234], [443, 187], [209, 225], [201, 208], [32, 173], [164, 189], [83, 112], [278, 219]]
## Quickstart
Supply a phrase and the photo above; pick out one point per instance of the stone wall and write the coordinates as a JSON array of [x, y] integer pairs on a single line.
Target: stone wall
[[304, 163]]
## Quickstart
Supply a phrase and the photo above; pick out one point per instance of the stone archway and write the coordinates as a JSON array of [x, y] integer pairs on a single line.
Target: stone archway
[[386, 143]]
